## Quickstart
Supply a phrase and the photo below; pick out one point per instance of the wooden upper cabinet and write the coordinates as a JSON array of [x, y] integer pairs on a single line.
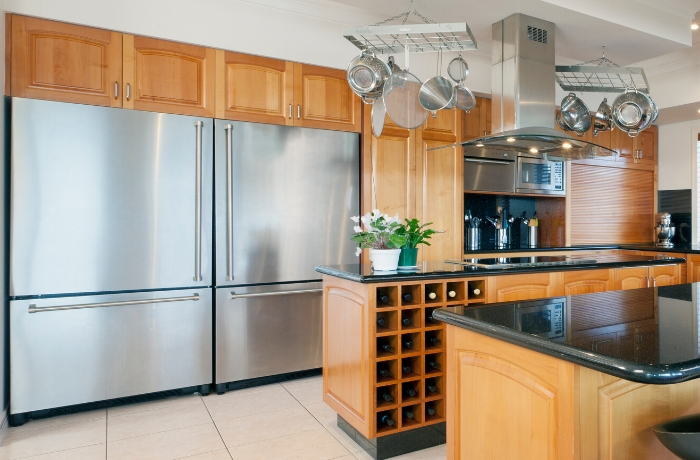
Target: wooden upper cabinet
[[64, 62], [253, 88], [623, 145], [477, 122], [323, 99], [443, 126], [646, 145], [164, 76]]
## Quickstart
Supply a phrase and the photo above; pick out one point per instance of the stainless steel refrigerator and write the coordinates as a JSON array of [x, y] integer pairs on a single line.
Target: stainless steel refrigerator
[[110, 253], [284, 197]]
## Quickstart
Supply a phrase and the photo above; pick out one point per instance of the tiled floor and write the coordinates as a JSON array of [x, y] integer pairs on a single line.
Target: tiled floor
[[273, 422]]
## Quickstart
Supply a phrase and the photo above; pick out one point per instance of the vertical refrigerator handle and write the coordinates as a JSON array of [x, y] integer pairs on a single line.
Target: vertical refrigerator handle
[[229, 203], [198, 204]]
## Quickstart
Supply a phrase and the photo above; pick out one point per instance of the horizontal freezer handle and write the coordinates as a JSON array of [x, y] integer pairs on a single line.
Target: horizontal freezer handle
[[234, 296], [479, 160], [34, 309]]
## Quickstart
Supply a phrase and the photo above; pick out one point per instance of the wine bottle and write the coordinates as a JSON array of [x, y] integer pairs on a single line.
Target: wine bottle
[[386, 397], [434, 341], [383, 372], [408, 413], [451, 294], [430, 294], [434, 364], [386, 420], [406, 321], [406, 369], [410, 392], [430, 410], [381, 322], [382, 297], [430, 318], [407, 297], [476, 291], [431, 388], [386, 347], [408, 343]]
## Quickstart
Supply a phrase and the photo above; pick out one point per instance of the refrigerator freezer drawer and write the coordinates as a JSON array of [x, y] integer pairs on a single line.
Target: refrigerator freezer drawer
[[258, 334], [74, 350]]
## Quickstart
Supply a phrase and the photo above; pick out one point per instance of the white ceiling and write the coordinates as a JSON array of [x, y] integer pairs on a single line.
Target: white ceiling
[[631, 30]]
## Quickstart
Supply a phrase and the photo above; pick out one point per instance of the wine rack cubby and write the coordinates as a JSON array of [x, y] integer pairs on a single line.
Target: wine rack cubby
[[406, 310]]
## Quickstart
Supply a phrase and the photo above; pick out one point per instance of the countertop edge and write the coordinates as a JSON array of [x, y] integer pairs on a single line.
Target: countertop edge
[[646, 374]]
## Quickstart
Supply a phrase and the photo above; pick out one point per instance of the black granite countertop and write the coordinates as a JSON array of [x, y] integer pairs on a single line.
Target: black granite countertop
[[363, 273], [679, 248], [654, 331]]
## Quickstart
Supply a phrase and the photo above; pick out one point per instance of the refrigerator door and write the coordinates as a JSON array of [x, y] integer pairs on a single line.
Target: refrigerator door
[[106, 199], [284, 197], [73, 350], [267, 330]]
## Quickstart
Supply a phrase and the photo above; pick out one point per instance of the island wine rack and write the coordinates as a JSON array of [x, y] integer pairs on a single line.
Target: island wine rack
[[404, 351]]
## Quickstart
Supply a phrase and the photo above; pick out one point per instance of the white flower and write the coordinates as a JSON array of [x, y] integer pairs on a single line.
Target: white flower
[[366, 220], [358, 251], [355, 219], [357, 229]]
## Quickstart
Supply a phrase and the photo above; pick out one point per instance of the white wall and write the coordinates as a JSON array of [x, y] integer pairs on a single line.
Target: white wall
[[676, 148], [238, 26]]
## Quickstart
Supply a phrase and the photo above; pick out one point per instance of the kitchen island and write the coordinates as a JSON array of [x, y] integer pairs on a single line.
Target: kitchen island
[[384, 352], [575, 377]]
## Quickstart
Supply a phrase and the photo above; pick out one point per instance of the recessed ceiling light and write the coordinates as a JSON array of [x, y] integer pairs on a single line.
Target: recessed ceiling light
[[566, 145], [694, 26], [698, 111], [511, 139], [479, 144], [533, 150]]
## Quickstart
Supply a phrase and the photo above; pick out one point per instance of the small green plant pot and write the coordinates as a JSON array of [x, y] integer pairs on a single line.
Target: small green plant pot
[[408, 257]]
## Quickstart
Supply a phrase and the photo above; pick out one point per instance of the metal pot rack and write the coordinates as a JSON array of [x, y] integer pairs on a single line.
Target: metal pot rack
[[601, 76]]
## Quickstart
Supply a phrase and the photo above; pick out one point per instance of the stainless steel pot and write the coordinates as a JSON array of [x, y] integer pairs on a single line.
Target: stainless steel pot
[[436, 93], [654, 110], [575, 114], [367, 75], [632, 112], [603, 118]]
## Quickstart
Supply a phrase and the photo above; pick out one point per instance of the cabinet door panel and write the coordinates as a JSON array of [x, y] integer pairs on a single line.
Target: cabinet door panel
[[253, 88], [477, 122], [631, 278], [665, 275], [65, 62], [587, 281], [170, 77], [624, 145], [523, 287], [324, 99], [646, 144]]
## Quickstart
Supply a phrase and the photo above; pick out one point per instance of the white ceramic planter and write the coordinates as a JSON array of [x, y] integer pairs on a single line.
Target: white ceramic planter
[[384, 259]]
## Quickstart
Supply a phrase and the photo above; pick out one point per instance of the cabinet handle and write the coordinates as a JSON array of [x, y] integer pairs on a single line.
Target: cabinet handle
[[298, 112], [34, 309], [290, 110], [439, 231], [198, 203], [128, 91], [116, 90], [641, 154], [653, 279], [647, 278]]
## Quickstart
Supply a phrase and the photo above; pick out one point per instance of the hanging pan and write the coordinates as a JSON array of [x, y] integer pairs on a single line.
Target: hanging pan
[[378, 116], [400, 95], [462, 97], [436, 92]]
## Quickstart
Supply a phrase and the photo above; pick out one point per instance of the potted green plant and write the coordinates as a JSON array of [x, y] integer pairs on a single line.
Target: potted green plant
[[380, 235], [415, 234]]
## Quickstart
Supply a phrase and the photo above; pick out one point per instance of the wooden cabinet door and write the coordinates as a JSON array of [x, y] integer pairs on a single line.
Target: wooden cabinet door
[[323, 99], [631, 278], [511, 288], [477, 122], [665, 275], [646, 144], [65, 62], [623, 145], [253, 88], [164, 76], [587, 281], [693, 267]]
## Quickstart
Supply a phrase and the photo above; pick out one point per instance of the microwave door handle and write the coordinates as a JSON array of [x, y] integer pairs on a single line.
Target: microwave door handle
[[496, 162]]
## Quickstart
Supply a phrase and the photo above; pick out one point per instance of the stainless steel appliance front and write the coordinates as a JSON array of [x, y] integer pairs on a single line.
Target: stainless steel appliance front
[[267, 330], [537, 175], [107, 199], [491, 171], [542, 317], [74, 350]]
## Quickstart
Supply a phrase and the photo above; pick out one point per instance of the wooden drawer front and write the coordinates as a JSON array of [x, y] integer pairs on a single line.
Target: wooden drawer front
[[253, 88], [522, 287], [587, 281], [169, 77], [65, 62], [631, 278], [665, 275], [324, 99]]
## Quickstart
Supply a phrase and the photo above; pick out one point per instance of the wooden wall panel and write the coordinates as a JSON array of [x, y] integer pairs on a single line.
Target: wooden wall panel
[[551, 213], [611, 205]]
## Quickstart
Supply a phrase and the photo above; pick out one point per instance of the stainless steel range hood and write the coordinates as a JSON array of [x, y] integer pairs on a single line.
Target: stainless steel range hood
[[523, 93]]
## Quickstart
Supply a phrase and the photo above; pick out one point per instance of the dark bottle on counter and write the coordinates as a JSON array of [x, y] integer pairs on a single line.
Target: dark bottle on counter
[[406, 321], [408, 413], [410, 392], [406, 369], [386, 420], [381, 322], [431, 387], [407, 297], [385, 346], [387, 397], [433, 341], [430, 295], [408, 343], [434, 364], [384, 372], [429, 409], [382, 297]]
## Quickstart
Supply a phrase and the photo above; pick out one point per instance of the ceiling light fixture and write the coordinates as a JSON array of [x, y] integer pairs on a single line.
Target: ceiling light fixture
[[694, 26], [566, 145], [479, 144], [511, 139], [533, 150]]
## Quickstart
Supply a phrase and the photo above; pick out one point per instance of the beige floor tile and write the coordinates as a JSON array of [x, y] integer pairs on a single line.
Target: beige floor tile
[[309, 445], [323, 413], [230, 406], [304, 381], [62, 420], [259, 427], [25, 443], [344, 439], [363, 456], [433, 453], [218, 455], [96, 452], [346, 457], [310, 393], [157, 420], [166, 445], [260, 392], [174, 401]]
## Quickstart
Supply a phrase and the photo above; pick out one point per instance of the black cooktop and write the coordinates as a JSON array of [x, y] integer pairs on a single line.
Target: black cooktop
[[511, 262]]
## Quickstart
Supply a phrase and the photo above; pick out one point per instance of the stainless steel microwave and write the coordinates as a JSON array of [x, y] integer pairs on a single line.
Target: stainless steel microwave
[[544, 318], [536, 175]]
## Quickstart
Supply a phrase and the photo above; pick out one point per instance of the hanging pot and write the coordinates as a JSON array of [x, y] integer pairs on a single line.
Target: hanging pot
[[603, 118], [575, 114], [401, 100], [654, 110], [366, 76], [436, 92], [632, 112]]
